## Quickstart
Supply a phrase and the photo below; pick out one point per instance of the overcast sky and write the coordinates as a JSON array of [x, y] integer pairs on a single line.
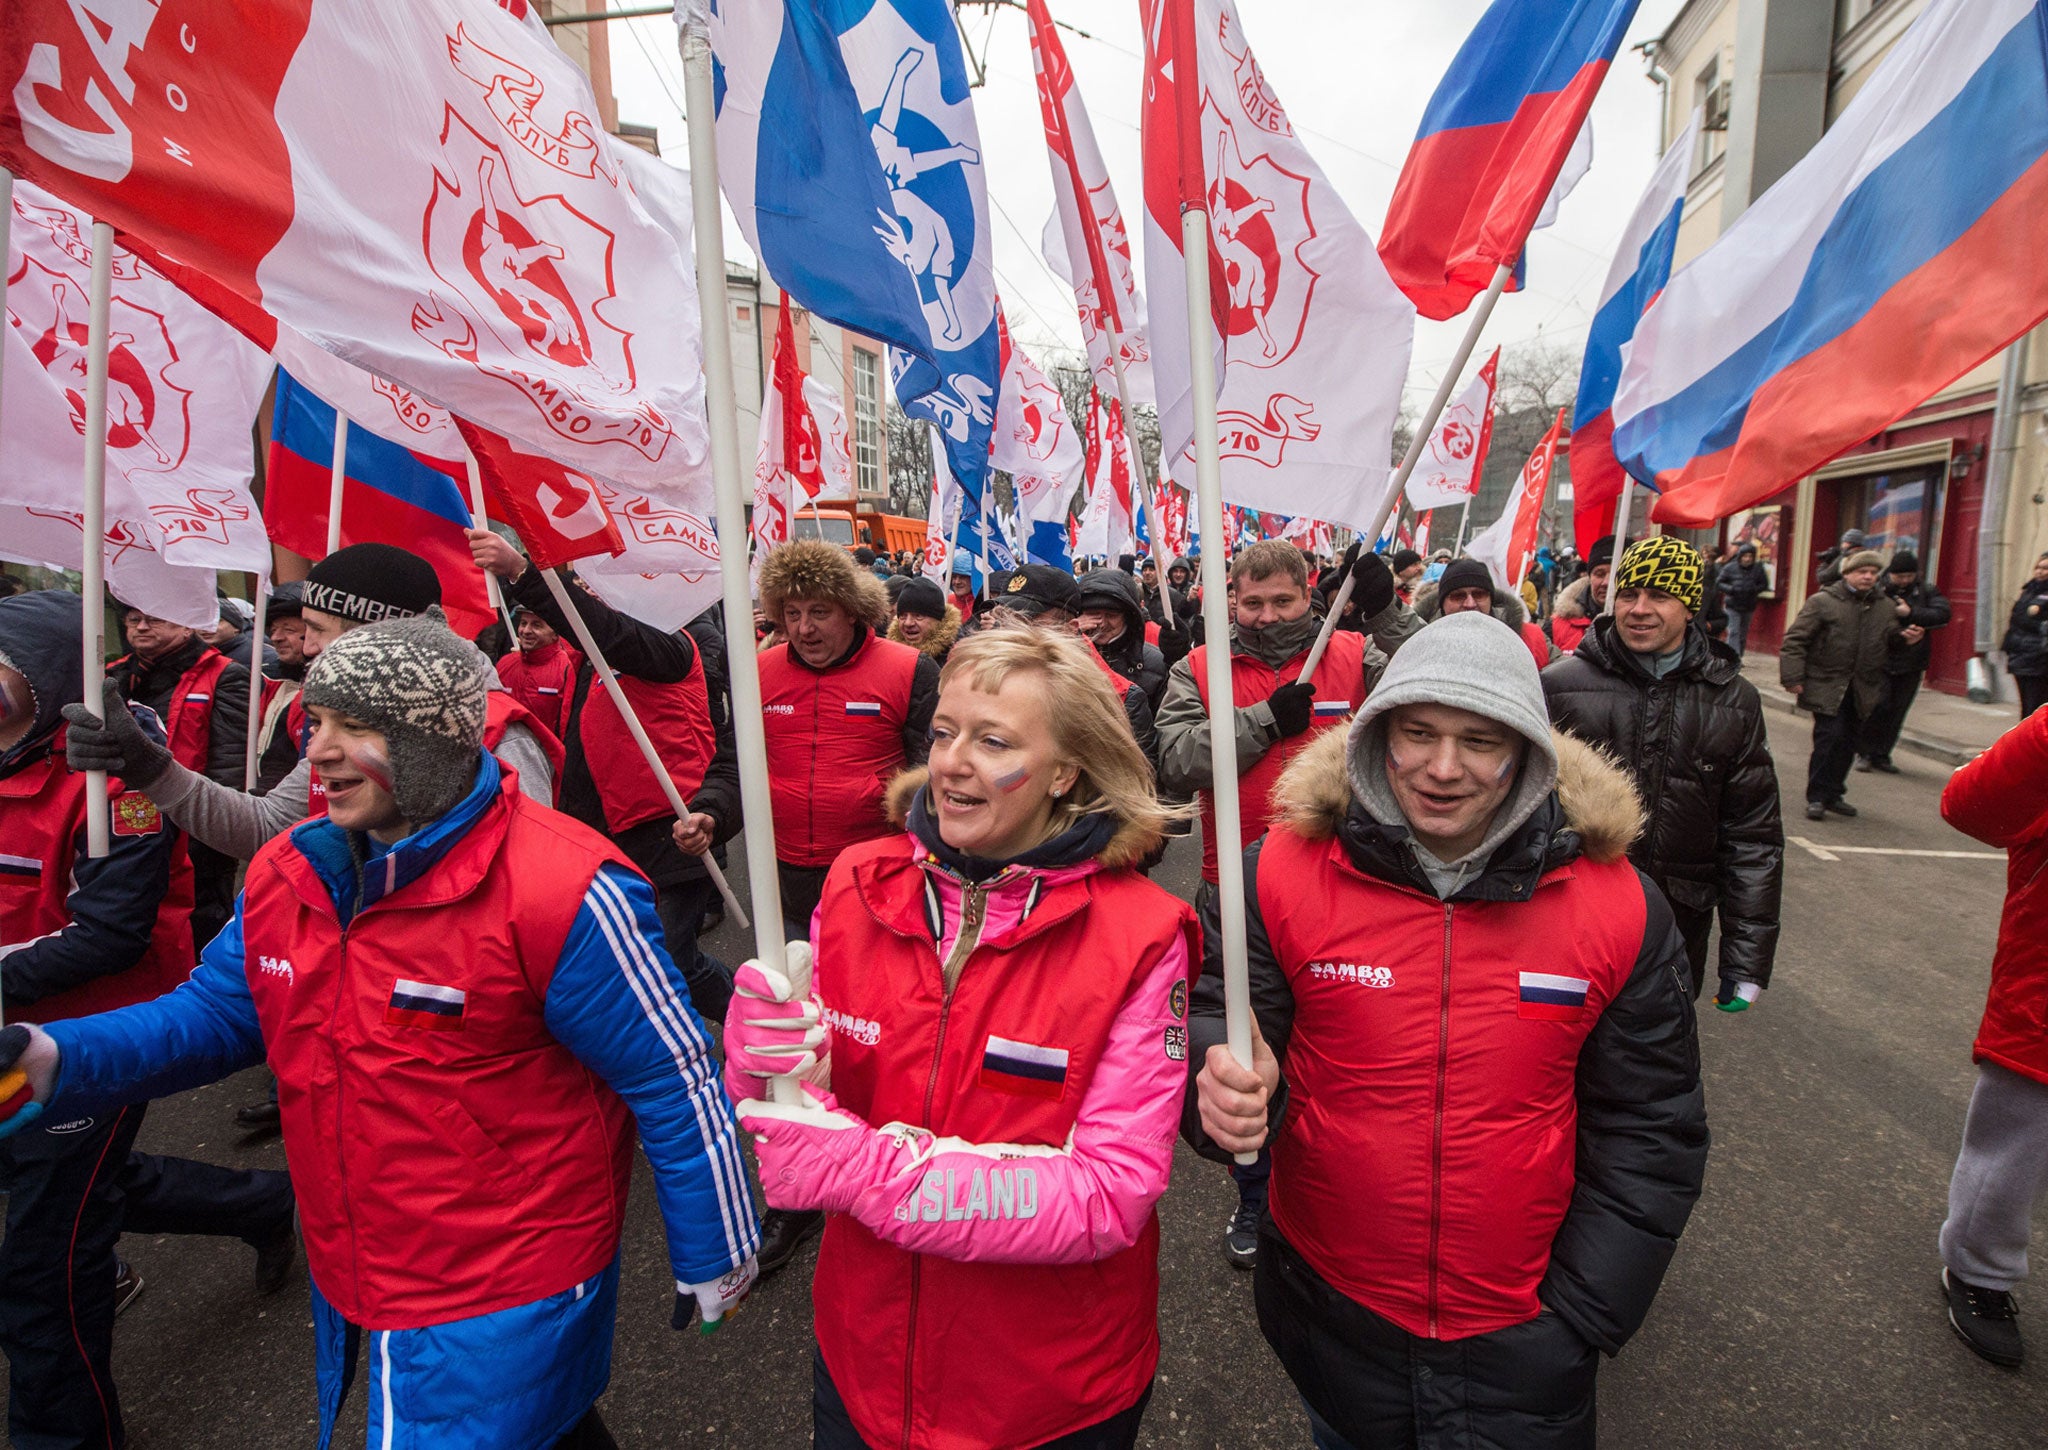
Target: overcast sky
[[1354, 76]]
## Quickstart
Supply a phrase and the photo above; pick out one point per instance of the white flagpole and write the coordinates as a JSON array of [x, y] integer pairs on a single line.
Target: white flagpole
[[1501, 277], [256, 678], [480, 517], [1123, 401], [93, 558], [723, 415], [6, 226], [1628, 499], [1464, 519], [612, 687], [334, 480]]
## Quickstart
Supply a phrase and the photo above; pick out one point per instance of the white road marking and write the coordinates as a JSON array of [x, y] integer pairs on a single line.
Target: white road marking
[[1835, 853]]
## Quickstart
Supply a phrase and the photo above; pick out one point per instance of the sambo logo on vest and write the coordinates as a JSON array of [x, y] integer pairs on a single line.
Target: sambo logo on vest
[[1548, 998], [1351, 972], [422, 1004], [1020, 1067]]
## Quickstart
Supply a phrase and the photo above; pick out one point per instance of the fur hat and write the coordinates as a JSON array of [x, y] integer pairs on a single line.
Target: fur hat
[[423, 687], [1867, 559], [816, 570]]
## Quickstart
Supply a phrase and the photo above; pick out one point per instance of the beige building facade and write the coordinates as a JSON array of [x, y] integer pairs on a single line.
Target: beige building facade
[[1962, 480]]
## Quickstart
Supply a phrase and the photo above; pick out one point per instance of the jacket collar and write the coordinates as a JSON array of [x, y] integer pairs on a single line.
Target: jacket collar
[[1702, 659], [1542, 844], [354, 873]]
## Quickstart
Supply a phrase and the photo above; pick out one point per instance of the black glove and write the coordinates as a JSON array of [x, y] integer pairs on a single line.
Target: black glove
[[14, 1042], [115, 744], [1372, 582], [1293, 706]]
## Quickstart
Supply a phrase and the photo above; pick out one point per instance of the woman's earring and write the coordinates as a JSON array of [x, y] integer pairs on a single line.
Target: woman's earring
[[1057, 794]]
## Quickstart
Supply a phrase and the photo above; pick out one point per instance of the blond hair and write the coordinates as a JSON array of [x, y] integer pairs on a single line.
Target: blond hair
[[1089, 728]]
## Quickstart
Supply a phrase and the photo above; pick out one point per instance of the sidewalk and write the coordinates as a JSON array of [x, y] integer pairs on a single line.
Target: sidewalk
[[1941, 727]]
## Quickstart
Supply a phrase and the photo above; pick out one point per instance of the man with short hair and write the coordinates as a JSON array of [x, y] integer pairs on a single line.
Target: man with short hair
[[1473, 1056], [541, 674], [1832, 661], [1672, 708], [1921, 608], [1407, 566], [1275, 714]]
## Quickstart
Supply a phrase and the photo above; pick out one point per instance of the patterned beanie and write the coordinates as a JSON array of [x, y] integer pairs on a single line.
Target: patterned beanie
[[1666, 563], [424, 687]]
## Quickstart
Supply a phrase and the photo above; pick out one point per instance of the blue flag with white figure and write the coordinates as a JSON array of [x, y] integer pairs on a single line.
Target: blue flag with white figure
[[848, 148]]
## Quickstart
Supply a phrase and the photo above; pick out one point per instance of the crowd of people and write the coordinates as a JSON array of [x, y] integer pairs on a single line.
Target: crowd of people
[[461, 923]]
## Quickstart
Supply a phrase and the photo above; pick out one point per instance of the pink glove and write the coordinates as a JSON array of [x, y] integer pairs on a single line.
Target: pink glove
[[817, 1156], [772, 1029]]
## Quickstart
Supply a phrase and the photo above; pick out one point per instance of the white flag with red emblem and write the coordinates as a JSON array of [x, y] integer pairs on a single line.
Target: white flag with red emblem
[[1106, 525], [182, 390], [423, 190], [1310, 335], [1085, 240], [1447, 474], [1509, 545], [1035, 443]]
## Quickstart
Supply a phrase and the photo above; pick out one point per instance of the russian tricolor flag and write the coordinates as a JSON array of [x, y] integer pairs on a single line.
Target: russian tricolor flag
[[425, 1004], [1904, 249], [1498, 129], [1023, 1067], [1547, 997], [1641, 267], [390, 496]]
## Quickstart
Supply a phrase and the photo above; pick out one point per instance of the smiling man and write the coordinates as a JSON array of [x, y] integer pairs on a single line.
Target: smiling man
[[1474, 1057], [469, 1010], [1672, 707]]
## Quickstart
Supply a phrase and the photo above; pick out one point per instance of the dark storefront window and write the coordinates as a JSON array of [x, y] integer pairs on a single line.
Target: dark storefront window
[[1896, 510]]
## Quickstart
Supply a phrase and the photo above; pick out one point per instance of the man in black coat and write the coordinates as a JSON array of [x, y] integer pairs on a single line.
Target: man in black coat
[[1743, 581], [1922, 608], [1672, 707]]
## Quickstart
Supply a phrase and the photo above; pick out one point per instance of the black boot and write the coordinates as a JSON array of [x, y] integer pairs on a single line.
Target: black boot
[[783, 1232]]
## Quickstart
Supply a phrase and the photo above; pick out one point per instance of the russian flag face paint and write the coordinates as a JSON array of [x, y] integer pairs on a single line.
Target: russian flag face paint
[[1014, 781], [374, 766]]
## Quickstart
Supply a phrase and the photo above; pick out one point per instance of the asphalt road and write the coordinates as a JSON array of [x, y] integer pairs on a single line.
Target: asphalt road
[[1803, 1308]]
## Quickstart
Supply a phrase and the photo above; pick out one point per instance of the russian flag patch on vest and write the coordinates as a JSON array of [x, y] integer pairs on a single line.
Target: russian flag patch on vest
[[1020, 1067], [1549, 998], [422, 1004], [1332, 709], [872, 708]]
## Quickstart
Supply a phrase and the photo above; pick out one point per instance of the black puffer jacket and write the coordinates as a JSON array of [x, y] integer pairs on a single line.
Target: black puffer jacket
[[1930, 611], [1694, 744], [2026, 632]]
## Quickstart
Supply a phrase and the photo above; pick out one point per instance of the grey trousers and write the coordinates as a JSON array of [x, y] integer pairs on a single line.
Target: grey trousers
[[2000, 1178]]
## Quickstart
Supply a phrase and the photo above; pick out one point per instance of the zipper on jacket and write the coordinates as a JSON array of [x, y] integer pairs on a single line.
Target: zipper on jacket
[[340, 1113], [973, 907], [1436, 1141]]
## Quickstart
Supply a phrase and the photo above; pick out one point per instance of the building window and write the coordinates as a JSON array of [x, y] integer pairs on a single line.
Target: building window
[[867, 422], [1710, 95]]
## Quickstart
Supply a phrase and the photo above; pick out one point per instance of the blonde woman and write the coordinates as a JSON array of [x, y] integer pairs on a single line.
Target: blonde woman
[[995, 1054]]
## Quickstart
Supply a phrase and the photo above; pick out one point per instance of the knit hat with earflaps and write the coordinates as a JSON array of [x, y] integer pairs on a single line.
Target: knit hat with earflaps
[[424, 688]]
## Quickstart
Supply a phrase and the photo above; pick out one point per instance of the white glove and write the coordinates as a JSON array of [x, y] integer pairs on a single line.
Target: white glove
[[717, 1299]]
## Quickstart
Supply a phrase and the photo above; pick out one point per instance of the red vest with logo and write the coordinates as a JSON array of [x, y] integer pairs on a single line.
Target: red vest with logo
[[189, 722], [1340, 689], [42, 831], [677, 718], [445, 1166], [544, 681], [936, 1352], [501, 713], [1430, 1151], [835, 740]]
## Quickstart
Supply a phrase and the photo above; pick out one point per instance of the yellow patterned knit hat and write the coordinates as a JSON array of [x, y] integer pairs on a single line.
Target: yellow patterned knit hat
[[1665, 563]]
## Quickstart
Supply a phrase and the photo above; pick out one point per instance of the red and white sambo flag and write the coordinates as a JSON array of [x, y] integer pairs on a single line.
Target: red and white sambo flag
[[421, 189]]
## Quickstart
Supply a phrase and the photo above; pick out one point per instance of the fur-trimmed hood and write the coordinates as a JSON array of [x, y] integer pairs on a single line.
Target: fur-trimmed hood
[[1575, 600], [1600, 803], [1126, 850], [940, 639], [1507, 606], [815, 569]]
